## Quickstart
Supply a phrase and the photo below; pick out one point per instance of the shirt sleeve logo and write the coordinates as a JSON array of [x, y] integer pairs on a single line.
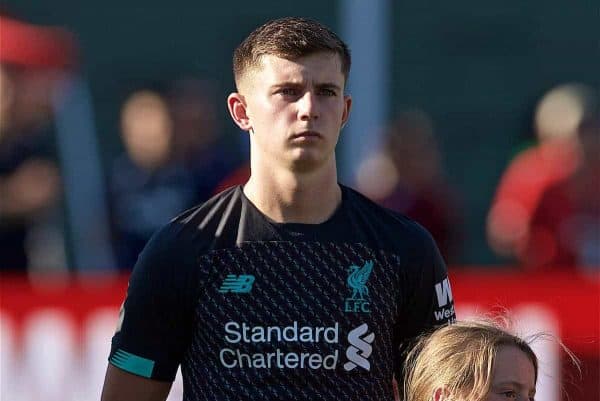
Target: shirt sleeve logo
[[445, 302], [443, 292], [241, 284], [357, 281]]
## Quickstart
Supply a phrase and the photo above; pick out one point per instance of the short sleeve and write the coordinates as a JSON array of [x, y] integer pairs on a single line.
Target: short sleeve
[[156, 319], [431, 302]]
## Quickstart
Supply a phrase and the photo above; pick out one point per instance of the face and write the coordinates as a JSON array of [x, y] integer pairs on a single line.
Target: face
[[294, 110], [147, 131], [513, 376]]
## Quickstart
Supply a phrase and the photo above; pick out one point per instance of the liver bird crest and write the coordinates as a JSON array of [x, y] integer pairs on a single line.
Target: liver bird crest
[[357, 280]]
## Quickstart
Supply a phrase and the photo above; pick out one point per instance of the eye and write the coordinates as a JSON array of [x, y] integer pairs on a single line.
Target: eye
[[327, 92], [288, 91], [510, 394]]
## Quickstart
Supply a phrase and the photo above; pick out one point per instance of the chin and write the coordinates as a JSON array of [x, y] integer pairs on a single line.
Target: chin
[[307, 162]]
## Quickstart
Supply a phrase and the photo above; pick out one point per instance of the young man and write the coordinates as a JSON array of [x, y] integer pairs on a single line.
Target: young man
[[291, 287]]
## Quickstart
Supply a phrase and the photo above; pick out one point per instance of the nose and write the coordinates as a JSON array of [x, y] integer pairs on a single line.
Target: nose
[[308, 106]]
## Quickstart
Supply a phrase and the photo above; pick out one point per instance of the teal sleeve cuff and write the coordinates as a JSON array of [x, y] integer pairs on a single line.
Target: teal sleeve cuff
[[132, 363]]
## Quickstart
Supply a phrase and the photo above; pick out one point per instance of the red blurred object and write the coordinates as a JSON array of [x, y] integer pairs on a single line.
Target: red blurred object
[[572, 298], [529, 174], [238, 177], [35, 46], [565, 228]]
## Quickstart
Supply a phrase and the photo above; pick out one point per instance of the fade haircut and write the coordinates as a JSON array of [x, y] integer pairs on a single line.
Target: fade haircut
[[290, 38]]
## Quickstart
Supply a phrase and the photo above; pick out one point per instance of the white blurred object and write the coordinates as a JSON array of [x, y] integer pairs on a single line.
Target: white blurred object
[[561, 110], [8, 365], [56, 364], [98, 331], [532, 320], [377, 176], [49, 356]]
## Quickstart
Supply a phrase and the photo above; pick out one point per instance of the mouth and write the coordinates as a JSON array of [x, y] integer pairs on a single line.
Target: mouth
[[306, 135]]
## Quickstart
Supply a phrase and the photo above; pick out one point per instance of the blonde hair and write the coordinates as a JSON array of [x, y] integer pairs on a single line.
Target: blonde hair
[[458, 358]]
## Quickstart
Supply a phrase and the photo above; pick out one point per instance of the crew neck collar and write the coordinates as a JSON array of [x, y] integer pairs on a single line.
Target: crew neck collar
[[300, 227]]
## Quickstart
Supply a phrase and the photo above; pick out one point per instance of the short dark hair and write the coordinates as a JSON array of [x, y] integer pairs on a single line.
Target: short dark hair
[[289, 38]]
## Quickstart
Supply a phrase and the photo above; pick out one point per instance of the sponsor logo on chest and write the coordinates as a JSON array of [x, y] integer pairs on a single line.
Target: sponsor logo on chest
[[358, 347], [357, 342]]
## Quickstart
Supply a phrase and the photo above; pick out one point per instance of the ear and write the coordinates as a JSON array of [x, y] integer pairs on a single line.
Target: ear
[[440, 394], [347, 107], [237, 109]]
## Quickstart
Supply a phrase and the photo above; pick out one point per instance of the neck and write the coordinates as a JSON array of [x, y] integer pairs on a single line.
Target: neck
[[290, 197]]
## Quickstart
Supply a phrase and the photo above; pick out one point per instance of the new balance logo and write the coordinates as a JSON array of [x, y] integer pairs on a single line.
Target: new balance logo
[[360, 348], [237, 284], [443, 292]]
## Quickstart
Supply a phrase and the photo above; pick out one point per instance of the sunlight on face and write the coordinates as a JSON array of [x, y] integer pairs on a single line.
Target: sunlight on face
[[296, 109], [513, 376]]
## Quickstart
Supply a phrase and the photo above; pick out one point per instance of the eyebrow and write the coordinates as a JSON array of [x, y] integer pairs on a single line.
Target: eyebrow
[[328, 86], [325, 85], [514, 383]]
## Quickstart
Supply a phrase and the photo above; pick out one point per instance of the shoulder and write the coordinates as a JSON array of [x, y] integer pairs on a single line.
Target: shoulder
[[204, 214], [210, 225], [391, 228]]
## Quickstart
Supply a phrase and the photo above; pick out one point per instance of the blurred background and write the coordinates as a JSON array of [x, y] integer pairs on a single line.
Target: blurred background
[[478, 120]]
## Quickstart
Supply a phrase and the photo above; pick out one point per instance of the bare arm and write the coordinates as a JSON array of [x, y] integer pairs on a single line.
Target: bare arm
[[120, 385]]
